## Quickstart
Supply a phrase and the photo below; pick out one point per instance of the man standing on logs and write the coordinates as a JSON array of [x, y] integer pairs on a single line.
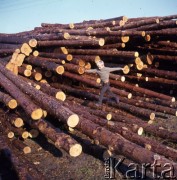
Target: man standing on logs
[[103, 72]]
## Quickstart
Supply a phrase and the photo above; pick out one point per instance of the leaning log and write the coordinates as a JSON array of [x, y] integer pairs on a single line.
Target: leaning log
[[47, 102], [124, 131], [8, 100], [25, 102]]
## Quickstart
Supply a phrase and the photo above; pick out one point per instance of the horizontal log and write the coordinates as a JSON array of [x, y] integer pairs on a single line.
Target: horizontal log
[[72, 43], [99, 52], [45, 64]]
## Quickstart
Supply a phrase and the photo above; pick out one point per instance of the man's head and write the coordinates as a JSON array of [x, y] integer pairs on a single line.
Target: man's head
[[100, 64]]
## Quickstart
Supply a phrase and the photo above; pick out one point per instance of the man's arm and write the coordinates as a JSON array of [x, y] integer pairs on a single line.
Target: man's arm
[[91, 71], [114, 69]]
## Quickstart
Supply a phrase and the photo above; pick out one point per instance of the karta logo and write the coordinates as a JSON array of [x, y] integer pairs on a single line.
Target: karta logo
[[139, 171]]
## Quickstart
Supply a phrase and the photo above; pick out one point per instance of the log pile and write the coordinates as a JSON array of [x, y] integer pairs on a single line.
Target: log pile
[[42, 71]]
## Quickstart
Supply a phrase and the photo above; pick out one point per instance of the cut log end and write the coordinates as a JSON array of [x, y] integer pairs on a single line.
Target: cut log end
[[140, 131], [152, 116], [125, 39], [173, 99], [44, 113], [37, 76], [109, 116], [75, 150], [81, 63], [61, 96], [129, 95], [27, 150], [123, 45], [38, 87], [36, 53], [33, 42], [18, 122], [101, 42], [64, 50], [71, 25], [81, 70], [60, 70], [69, 57], [136, 54], [66, 35], [10, 135], [27, 73], [73, 120], [37, 114], [12, 104], [25, 134], [147, 37], [143, 33], [122, 78], [98, 80], [126, 69]]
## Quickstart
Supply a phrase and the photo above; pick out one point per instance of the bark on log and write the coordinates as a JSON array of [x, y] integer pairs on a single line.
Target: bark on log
[[142, 90], [118, 144], [46, 64], [72, 43], [57, 136], [99, 52], [25, 102], [49, 103], [134, 110], [8, 100], [123, 130], [46, 88], [160, 73], [59, 56], [23, 168]]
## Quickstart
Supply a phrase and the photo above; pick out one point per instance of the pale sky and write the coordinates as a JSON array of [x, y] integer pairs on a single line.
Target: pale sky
[[22, 15]]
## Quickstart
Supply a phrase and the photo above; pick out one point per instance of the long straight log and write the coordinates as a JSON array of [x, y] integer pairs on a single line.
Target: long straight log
[[128, 54], [46, 64], [60, 56], [8, 100], [46, 88], [132, 109], [137, 24], [160, 25], [160, 73], [123, 130], [49, 103], [57, 136], [132, 121], [142, 90], [72, 43], [25, 102], [118, 144]]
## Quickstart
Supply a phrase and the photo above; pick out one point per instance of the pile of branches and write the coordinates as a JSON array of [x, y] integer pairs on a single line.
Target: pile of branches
[[42, 72]]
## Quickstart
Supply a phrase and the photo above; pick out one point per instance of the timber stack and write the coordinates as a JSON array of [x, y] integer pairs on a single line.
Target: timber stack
[[42, 73]]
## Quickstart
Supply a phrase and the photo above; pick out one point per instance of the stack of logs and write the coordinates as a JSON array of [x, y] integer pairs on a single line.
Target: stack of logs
[[42, 71]]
